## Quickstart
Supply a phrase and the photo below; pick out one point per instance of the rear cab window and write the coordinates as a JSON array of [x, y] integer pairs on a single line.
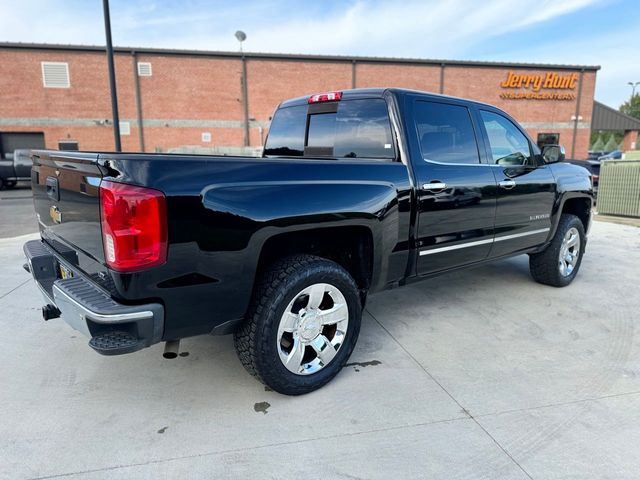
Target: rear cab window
[[345, 129]]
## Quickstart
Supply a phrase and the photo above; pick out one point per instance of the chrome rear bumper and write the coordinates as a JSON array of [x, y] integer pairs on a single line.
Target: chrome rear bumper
[[89, 309]]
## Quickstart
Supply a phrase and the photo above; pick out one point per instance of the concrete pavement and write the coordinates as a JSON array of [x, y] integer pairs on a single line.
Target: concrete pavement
[[480, 374], [16, 211]]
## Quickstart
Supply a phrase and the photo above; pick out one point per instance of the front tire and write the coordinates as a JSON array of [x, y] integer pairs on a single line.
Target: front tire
[[302, 325], [559, 263]]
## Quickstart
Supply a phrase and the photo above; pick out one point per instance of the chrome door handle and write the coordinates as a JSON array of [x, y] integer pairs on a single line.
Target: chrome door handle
[[434, 186], [507, 184]]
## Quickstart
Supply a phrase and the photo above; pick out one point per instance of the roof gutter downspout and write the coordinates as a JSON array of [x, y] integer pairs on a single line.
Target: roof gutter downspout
[[136, 83], [577, 115]]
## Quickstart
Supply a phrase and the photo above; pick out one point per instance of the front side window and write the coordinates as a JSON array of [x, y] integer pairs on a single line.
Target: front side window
[[445, 133], [508, 144]]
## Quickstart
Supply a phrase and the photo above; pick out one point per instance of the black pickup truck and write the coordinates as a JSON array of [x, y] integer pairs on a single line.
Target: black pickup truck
[[357, 192]]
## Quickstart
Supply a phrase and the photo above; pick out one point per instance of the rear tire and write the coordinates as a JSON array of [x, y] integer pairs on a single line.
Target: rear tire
[[559, 263], [302, 325], [1, 183]]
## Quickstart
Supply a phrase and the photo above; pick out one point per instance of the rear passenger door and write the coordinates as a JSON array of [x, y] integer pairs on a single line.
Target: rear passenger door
[[527, 188], [456, 189]]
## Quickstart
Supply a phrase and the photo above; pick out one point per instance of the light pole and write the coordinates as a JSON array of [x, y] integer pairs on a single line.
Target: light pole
[[633, 88], [241, 37], [112, 76]]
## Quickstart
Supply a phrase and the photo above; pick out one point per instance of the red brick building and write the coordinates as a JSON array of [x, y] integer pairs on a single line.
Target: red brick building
[[58, 96]]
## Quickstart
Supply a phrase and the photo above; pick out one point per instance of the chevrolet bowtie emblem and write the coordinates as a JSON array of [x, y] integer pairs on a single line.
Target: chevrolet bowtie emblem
[[55, 214]]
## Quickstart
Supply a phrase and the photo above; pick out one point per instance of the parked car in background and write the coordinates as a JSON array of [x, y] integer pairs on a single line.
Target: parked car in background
[[596, 154], [16, 169], [594, 169], [615, 155]]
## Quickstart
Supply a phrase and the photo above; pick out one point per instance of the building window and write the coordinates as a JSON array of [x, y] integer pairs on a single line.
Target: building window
[[144, 69], [55, 74], [67, 145], [125, 128], [548, 139], [206, 137]]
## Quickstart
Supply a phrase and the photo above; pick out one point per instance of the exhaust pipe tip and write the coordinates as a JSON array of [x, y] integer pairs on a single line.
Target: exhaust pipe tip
[[171, 349], [50, 311]]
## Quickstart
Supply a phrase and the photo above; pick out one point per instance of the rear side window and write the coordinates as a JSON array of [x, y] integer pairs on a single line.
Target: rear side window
[[445, 133], [345, 129]]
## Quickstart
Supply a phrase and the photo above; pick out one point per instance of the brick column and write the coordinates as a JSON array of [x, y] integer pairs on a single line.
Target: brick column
[[630, 140]]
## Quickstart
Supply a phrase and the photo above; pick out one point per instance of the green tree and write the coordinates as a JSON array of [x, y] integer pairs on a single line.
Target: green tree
[[598, 145], [632, 106], [611, 144]]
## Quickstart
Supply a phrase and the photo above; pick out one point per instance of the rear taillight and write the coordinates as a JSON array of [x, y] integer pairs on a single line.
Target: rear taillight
[[134, 226], [325, 97]]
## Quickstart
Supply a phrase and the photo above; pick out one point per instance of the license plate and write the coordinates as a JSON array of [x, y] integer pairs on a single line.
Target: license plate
[[65, 272]]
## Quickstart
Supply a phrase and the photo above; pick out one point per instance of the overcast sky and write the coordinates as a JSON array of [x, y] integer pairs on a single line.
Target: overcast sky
[[588, 32]]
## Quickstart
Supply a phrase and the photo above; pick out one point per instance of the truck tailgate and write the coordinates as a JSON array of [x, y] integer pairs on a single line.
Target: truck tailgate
[[67, 204]]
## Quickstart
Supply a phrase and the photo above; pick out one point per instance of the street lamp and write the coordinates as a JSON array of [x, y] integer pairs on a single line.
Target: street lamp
[[633, 86], [241, 37]]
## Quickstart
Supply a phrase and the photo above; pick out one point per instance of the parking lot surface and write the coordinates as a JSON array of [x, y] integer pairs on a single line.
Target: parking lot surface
[[479, 374], [16, 211]]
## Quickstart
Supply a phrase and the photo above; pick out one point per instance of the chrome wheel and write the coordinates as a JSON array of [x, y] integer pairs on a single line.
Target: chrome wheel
[[312, 329], [569, 252]]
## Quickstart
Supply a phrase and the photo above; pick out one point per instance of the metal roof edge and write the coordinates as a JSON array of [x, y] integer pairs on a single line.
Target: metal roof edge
[[295, 56], [629, 118]]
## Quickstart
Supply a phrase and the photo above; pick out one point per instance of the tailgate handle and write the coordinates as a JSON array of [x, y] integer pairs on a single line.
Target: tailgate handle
[[53, 191]]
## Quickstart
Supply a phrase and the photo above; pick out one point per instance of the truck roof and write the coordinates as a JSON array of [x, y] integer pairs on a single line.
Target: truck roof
[[378, 93]]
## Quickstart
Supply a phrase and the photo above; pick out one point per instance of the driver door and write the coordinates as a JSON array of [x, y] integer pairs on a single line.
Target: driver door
[[526, 186]]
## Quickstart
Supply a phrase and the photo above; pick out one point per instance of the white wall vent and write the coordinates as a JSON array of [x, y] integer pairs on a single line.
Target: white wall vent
[[144, 69], [55, 74], [125, 128]]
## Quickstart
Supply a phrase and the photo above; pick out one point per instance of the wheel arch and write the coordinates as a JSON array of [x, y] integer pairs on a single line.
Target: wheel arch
[[351, 247], [577, 204]]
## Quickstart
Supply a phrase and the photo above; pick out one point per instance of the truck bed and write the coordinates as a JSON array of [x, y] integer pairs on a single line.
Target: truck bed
[[220, 210]]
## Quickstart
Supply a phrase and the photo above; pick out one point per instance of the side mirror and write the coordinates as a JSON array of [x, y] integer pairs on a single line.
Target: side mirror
[[553, 153]]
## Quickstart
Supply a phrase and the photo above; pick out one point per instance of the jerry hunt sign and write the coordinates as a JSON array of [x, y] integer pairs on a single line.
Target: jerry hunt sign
[[530, 86]]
